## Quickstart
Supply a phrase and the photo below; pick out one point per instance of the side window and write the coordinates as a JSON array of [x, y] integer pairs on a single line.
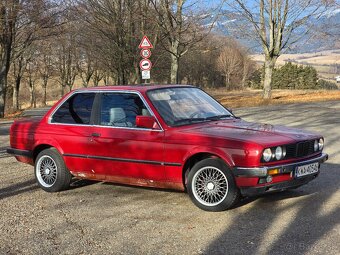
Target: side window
[[76, 110], [121, 109]]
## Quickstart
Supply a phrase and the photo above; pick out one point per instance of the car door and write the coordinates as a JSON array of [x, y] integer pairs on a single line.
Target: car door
[[72, 130], [118, 147]]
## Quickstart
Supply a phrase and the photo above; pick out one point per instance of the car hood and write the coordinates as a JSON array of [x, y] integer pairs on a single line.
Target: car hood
[[263, 134]]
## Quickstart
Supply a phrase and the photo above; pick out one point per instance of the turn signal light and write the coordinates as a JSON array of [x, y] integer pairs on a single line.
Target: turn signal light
[[273, 171]]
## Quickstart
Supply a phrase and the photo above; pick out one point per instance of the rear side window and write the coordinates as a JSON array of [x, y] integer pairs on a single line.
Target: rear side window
[[76, 110]]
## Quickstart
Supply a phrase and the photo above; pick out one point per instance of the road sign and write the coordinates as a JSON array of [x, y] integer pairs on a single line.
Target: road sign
[[146, 75], [145, 53], [145, 64], [145, 43]]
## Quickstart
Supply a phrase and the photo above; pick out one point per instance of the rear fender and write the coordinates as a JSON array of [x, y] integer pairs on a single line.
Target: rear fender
[[49, 142]]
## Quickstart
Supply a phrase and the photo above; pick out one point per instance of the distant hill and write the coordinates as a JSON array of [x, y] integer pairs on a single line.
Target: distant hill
[[325, 34]]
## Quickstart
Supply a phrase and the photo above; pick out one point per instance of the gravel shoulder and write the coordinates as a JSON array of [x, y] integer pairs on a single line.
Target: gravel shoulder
[[102, 218]]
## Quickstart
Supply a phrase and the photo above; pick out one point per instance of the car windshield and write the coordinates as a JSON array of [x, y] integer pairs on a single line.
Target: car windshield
[[182, 106]]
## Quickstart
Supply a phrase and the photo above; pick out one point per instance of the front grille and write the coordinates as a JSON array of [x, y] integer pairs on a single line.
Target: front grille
[[305, 148], [301, 149], [290, 151]]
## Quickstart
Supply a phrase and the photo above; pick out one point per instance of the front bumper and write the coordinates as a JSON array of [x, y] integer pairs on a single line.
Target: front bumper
[[280, 186], [288, 169]]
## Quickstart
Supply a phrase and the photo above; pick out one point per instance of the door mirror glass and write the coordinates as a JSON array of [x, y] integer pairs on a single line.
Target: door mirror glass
[[146, 122]]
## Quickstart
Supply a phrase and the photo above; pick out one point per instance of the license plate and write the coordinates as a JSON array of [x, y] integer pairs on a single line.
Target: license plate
[[307, 169]]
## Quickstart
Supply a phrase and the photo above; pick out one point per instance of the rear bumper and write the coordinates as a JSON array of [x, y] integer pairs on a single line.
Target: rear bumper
[[261, 173], [20, 153]]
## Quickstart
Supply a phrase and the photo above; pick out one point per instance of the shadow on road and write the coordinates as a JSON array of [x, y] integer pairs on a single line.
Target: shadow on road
[[78, 183], [18, 188], [293, 226]]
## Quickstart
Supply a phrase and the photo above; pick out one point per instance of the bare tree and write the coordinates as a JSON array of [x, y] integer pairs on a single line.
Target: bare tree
[[22, 22], [8, 13], [32, 77], [98, 75], [248, 67], [46, 66], [18, 67], [275, 23], [229, 62], [66, 62], [85, 70], [117, 27], [181, 29]]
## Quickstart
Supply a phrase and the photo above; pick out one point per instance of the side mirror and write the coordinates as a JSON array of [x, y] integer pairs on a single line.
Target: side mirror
[[146, 122]]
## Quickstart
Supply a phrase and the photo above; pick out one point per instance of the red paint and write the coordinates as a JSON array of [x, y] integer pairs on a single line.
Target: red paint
[[146, 122], [238, 143]]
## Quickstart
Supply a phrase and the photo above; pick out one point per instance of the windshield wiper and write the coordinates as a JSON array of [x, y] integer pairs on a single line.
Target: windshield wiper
[[219, 117], [193, 120], [189, 120]]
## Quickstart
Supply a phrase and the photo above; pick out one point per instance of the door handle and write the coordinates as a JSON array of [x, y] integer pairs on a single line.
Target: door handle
[[95, 135]]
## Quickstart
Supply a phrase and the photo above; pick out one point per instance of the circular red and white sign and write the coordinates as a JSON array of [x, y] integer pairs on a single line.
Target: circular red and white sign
[[145, 53], [145, 64]]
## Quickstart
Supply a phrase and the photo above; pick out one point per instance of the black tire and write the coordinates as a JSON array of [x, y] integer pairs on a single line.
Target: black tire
[[50, 171], [211, 185]]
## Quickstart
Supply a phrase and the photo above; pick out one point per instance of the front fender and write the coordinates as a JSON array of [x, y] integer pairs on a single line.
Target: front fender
[[218, 152]]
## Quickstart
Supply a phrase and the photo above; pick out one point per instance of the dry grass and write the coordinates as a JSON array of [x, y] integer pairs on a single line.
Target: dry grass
[[11, 116], [249, 98]]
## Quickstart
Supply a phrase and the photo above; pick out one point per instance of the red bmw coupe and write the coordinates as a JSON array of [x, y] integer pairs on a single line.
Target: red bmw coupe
[[173, 137]]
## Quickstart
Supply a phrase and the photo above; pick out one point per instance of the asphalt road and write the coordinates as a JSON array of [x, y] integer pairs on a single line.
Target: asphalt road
[[102, 218]]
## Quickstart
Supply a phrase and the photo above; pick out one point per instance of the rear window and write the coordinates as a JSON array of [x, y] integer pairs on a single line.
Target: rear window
[[76, 110]]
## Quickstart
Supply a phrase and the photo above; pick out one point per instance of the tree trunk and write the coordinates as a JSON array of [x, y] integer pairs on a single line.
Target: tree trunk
[[15, 97], [174, 70], [174, 62], [45, 93], [138, 74], [268, 72], [2, 94], [227, 81], [45, 96], [61, 91], [31, 95], [243, 83], [96, 81], [34, 98]]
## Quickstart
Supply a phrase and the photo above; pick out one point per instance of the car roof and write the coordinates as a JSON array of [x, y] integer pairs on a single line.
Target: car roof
[[139, 87]]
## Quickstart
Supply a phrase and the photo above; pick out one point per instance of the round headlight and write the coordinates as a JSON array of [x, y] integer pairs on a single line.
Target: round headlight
[[321, 144], [267, 154], [316, 145], [278, 153]]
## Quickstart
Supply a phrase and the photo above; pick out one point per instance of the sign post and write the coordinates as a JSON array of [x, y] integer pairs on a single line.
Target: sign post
[[145, 64]]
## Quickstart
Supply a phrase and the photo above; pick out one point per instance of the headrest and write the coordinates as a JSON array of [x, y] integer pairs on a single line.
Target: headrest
[[117, 115]]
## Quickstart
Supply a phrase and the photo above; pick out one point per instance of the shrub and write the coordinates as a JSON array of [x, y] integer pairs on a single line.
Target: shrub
[[323, 84], [291, 76]]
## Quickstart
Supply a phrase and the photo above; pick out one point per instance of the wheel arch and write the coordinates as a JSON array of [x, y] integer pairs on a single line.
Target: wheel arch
[[199, 155], [43, 145]]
